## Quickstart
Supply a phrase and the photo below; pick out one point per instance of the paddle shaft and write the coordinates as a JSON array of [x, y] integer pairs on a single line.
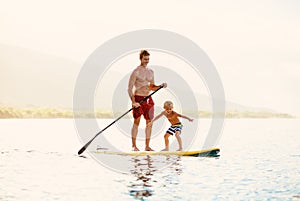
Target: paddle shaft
[[89, 142]]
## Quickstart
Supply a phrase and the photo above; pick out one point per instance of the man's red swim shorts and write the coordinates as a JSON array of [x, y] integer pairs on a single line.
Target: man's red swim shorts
[[146, 108]]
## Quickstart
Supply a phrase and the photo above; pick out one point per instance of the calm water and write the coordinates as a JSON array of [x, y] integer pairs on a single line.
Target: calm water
[[259, 160]]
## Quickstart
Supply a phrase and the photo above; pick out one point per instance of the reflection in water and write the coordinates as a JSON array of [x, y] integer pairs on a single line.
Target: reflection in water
[[147, 168]]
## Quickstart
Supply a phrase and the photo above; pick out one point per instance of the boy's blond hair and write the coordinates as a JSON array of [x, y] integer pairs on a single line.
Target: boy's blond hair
[[168, 104]]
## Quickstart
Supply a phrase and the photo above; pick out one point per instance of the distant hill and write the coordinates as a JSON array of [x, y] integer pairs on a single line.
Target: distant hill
[[31, 77], [37, 85]]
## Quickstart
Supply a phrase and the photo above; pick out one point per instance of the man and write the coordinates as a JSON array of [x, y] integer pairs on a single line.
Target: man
[[142, 78]]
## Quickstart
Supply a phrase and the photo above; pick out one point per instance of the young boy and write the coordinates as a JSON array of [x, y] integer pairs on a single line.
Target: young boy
[[176, 125]]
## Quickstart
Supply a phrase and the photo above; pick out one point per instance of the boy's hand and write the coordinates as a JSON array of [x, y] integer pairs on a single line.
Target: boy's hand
[[150, 123]]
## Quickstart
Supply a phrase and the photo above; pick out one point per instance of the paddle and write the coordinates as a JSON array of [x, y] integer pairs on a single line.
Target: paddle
[[89, 142]]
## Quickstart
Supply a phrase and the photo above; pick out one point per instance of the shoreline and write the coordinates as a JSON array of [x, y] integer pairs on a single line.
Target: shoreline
[[49, 113]]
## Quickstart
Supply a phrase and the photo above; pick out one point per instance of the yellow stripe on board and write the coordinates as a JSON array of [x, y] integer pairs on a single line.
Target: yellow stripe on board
[[147, 153]]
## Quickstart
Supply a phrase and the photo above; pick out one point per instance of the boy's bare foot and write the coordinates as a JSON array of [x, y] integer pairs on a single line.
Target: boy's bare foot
[[165, 149], [135, 149], [180, 149], [148, 149]]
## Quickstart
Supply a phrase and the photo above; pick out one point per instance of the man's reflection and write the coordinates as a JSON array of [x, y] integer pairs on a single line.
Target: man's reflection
[[148, 170]]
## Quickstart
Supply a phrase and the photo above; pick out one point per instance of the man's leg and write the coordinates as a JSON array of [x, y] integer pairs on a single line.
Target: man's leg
[[134, 132], [148, 136]]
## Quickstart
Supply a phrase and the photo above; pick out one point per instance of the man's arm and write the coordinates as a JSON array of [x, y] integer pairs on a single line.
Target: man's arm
[[154, 87], [131, 82]]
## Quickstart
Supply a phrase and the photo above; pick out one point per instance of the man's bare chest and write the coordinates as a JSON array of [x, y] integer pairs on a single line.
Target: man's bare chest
[[144, 75]]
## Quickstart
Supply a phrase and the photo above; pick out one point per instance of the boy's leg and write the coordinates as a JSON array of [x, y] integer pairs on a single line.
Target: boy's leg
[[166, 137], [134, 132], [177, 135]]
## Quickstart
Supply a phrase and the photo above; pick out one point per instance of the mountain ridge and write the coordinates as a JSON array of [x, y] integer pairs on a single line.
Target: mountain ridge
[[40, 85]]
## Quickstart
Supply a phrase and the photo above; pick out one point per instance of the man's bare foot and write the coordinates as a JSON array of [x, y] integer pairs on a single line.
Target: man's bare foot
[[135, 149], [180, 149], [165, 149], [148, 149]]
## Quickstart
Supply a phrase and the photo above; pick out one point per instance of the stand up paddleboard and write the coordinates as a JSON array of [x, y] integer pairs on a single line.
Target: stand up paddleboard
[[203, 153]]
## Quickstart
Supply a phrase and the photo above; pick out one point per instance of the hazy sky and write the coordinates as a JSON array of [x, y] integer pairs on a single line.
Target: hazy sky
[[255, 45]]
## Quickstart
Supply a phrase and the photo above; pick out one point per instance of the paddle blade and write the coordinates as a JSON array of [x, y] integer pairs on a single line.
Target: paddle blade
[[87, 144], [81, 150]]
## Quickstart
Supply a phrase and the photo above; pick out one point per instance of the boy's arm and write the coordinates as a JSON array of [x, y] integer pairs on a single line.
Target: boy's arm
[[185, 117], [155, 118], [158, 116]]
